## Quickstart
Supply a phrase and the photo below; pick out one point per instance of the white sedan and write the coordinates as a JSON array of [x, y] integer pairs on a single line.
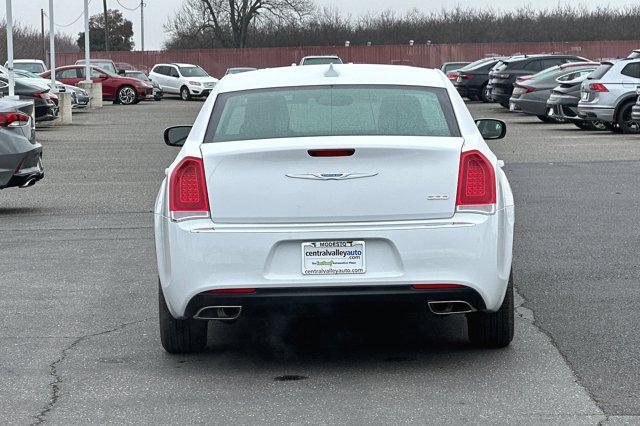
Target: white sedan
[[331, 185]]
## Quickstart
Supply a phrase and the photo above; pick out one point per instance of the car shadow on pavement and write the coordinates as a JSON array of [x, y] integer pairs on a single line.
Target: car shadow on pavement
[[383, 334]]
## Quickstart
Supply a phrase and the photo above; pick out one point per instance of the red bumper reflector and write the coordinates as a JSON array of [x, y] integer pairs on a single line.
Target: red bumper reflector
[[430, 286], [331, 152], [232, 290]]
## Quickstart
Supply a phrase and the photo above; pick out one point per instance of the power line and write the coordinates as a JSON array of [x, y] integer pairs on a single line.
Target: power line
[[128, 8], [71, 23]]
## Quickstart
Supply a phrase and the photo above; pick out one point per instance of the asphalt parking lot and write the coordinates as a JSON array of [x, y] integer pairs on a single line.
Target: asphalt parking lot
[[79, 300]]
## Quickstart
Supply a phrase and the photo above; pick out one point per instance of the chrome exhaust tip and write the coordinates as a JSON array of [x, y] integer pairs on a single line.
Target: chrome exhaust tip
[[450, 307], [28, 183], [218, 313]]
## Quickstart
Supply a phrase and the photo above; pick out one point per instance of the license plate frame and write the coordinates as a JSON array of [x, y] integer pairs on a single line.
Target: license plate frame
[[335, 257]]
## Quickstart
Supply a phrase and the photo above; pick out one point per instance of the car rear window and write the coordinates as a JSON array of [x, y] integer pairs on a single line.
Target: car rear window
[[29, 66], [600, 72], [340, 110], [321, 61]]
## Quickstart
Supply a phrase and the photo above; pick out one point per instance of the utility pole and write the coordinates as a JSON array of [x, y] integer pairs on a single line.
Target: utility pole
[[87, 64], [52, 46], [142, 25], [106, 25], [12, 84], [44, 40]]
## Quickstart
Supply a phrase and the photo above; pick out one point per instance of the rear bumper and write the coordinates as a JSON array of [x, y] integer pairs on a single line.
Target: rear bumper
[[29, 169], [589, 112], [528, 106], [335, 297], [468, 249]]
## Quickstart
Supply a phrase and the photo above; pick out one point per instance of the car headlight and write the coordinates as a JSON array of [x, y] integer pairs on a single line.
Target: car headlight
[[195, 83]]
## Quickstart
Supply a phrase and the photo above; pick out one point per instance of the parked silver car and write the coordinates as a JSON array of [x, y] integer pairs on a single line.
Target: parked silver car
[[609, 93], [20, 154]]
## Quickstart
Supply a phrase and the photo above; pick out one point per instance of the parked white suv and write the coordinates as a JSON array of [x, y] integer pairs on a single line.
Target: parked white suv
[[184, 79], [609, 93], [32, 65]]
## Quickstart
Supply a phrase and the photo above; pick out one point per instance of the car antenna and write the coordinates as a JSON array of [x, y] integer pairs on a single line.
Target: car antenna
[[332, 72]]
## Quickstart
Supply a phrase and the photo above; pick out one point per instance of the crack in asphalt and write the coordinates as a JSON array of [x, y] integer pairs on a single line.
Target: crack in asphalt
[[528, 314], [57, 378]]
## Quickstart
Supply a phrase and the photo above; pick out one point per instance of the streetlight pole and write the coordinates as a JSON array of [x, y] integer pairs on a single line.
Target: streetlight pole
[[142, 25], [52, 46], [87, 65], [12, 84]]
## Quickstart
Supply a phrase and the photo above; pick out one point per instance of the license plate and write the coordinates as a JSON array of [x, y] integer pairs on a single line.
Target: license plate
[[459, 79], [512, 106], [637, 90], [550, 112], [585, 96], [333, 258]]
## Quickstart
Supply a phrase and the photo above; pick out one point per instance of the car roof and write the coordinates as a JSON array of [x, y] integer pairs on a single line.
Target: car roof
[[95, 60], [321, 56], [317, 75], [22, 61], [180, 64]]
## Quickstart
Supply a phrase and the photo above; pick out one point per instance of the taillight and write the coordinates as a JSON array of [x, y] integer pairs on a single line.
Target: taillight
[[598, 87], [188, 190], [526, 89], [452, 76], [41, 95], [476, 184], [13, 119]]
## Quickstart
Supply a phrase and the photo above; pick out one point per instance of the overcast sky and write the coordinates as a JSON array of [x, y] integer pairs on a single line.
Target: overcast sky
[[157, 12]]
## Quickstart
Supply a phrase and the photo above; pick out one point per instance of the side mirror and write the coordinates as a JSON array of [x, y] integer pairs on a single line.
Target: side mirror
[[122, 72], [176, 135], [491, 128]]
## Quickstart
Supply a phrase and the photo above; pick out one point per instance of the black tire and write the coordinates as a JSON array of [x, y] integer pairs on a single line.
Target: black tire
[[185, 95], [484, 94], [624, 121], [127, 95], [493, 329], [504, 104], [180, 336]]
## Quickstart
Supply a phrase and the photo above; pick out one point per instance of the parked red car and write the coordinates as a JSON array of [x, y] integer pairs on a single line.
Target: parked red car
[[123, 90]]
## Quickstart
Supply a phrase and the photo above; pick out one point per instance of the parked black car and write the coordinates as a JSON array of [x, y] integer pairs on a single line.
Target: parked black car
[[503, 77], [472, 79], [45, 107]]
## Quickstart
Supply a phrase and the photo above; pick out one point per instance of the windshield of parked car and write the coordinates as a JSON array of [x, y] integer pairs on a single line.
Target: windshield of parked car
[[351, 110], [192, 72], [29, 66], [25, 73], [321, 61], [139, 75]]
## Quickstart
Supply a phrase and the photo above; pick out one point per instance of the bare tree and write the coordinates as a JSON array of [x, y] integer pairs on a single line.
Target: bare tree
[[230, 21]]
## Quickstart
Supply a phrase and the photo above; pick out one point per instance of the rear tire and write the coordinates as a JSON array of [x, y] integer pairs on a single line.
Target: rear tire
[[626, 124], [180, 336], [493, 329], [504, 105], [484, 94]]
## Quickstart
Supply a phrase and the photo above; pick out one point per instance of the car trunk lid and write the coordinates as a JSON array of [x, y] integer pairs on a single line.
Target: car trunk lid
[[384, 178]]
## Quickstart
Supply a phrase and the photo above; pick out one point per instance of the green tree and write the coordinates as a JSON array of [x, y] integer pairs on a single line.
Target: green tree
[[120, 32]]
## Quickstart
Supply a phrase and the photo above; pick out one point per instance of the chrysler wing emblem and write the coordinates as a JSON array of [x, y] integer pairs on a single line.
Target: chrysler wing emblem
[[330, 176]]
